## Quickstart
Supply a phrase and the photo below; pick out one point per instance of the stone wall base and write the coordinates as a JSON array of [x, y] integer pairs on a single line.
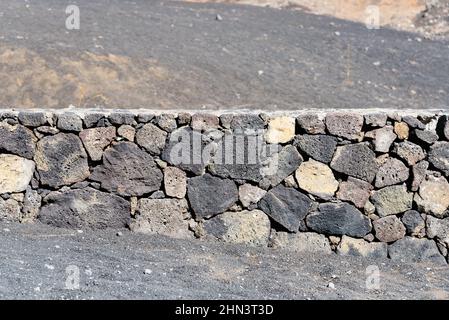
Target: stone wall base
[[369, 183]]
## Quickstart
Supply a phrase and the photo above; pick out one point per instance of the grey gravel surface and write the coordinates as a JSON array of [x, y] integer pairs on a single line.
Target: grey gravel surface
[[126, 265], [173, 55]]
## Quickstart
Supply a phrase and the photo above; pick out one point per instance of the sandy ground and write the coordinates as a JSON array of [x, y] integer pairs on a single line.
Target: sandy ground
[[428, 17]]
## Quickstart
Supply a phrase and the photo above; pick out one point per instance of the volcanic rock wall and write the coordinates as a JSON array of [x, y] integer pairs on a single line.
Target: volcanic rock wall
[[371, 184]]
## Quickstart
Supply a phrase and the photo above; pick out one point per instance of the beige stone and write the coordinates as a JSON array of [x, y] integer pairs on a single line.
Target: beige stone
[[95, 140], [175, 182], [126, 131], [249, 194], [9, 210], [402, 130], [360, 247], [249, 227], [317, 179], [15, 173], [433, 195], [280, 130], [301, 242]]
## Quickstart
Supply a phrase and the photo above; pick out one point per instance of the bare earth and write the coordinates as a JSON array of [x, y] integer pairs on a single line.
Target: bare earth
[[178, 55], [37, 261]]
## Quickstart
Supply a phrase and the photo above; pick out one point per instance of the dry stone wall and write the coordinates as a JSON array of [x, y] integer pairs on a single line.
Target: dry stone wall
[[373, 184]]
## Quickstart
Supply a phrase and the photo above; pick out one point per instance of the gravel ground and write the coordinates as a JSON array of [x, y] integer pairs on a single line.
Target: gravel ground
[[40, 262], [174, 55]]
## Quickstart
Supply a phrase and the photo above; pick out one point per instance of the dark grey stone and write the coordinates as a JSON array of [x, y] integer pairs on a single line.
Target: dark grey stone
[[393, 171], [85, 208], [69, 121], [287, 161], [286, 206], [413, 222], [319, 147], [411, 249], [61, 160], [209, 195], [185, 150], [127, 171], [92, 118], [413, 122], [145, 117], [33, 118], [339, 219], [242, 122], [408, 151], [439, 156], [18, 140], [426, 136], [122, 117], [356, 160], [311, 123]]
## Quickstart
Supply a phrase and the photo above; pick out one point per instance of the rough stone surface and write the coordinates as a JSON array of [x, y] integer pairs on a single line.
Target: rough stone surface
[[402, 130], [204, 122], [446, 128], [392, 200], [345, 125], [122, 117], [376, 119], [85, 208], [411, 249], [311, 123], [166, 122], [15, 173], [301, 242], [409, 152], [433, 195], [127, 171], [18, 140], [389, 229], [33, 118], [360, 247], [164, 217], [185, 150], [355, 191], [126, 131], [9, 210], [339, 219], [95, 140], [151, 138], [286, 206], [92, 118], [356, 160], [61, 160], [414, 223], [280, 130], [316, 178], [175, 182], [319, 147], [426, 136], [243, 122], [250, 195], [248, 227], [419, 172], [31, 205], [383, 138], [209, 195], [438, 229], [413, 122], [439, 156], [392, 171], [281, 165], [69, 121]]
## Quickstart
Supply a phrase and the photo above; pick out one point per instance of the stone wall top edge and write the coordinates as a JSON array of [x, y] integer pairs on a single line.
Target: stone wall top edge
[[318, 111]]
